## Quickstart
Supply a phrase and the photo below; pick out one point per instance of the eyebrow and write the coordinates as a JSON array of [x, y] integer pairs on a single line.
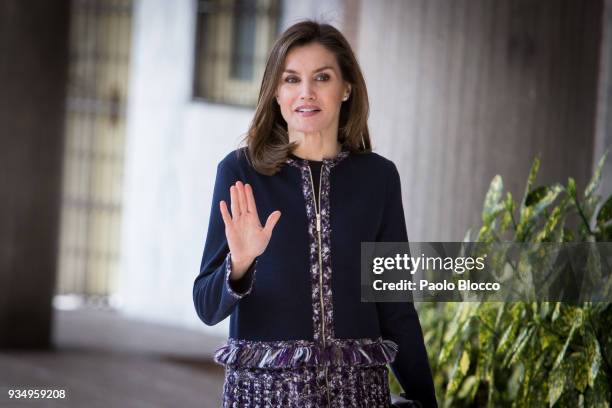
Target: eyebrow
[[290, 71]]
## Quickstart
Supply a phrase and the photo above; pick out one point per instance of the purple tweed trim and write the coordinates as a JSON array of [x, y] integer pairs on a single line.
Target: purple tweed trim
[[307, 387], [326, 254], [294, 353], [228, 271], [311, 213]]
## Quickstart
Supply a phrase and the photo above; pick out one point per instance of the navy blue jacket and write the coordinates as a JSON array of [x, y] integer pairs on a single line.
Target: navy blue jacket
[[284, 299]]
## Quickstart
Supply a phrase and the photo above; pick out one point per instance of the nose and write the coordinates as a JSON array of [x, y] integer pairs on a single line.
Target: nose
[[306, 91]]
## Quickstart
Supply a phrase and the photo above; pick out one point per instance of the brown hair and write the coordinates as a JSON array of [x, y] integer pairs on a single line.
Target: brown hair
[[267, 138]]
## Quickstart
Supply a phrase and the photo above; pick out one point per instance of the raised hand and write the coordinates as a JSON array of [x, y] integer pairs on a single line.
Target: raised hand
[[246, 238]]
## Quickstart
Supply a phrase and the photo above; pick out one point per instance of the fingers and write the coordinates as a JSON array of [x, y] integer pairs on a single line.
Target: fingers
[[234, 202], [227, 219], [271, 222], [250, 198], [242, 201]]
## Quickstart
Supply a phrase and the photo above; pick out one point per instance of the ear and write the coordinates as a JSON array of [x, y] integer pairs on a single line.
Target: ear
[[347, 93]]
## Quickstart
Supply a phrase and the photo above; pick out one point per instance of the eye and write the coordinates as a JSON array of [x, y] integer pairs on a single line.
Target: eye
[[323, 77], [291, 79]]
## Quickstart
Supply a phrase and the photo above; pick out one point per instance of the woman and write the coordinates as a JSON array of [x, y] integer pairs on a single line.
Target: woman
[[299, 334]]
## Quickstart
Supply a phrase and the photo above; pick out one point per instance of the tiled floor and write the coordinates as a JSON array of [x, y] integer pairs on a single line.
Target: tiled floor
[[104, 360]]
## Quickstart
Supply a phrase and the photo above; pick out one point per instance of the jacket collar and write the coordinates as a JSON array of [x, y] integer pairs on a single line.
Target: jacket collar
[[329, 162]]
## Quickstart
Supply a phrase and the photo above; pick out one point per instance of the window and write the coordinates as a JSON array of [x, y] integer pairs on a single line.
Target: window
[[233, 41], [101, 32]]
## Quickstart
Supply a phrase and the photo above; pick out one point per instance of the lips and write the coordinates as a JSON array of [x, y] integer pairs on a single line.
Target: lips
[[307, 109]]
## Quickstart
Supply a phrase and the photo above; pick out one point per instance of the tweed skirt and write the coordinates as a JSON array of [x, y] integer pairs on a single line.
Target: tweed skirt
[[307, 387]]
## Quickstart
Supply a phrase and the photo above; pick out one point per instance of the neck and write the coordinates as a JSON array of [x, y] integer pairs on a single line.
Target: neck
[[314, 146]]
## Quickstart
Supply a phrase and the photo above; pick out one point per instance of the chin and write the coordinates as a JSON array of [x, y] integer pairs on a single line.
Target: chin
[[309, 128]]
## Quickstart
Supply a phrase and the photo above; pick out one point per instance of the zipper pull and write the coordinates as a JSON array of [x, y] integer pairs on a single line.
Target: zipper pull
[[318, 222]]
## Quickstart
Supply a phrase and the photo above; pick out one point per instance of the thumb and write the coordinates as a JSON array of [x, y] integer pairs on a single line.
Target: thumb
[[271, 222]]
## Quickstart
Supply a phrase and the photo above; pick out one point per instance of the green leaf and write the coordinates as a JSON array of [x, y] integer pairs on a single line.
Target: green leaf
[[506, 221], [575, 325], [594, 358], [551, 224], [547, 339], [571, 188], [451, 337], [605, 212], [506, 339], [537, 204], [547, 199], [596, 179], [536, 195], [521, 346], [556, 312], [524, 224], [591, 199], [557, 381], [580, 371], [460, 369], [464, 363], [535, 167], [509, 202], [469, 387], [492, 206]]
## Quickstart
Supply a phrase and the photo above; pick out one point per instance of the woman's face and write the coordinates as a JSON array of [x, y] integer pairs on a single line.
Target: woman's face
[[311, 89]]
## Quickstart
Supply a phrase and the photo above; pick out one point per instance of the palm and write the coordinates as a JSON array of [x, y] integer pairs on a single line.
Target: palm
[[246, 237]]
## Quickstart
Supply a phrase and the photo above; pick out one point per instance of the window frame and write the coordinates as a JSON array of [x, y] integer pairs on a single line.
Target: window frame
[[219, 24]]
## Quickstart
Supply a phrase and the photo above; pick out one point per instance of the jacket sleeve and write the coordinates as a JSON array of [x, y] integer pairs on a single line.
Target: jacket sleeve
[[214, 295], [399, 321]]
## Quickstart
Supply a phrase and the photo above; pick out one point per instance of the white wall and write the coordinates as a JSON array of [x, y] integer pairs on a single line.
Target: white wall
[[328, 11], [173, 147]]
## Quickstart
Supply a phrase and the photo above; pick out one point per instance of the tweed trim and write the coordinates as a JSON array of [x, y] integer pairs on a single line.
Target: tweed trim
[[292, 353], [322, 327], [307, 387], [228, 271]]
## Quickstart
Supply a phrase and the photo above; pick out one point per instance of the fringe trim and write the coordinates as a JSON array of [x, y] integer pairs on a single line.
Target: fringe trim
[[288, 354]]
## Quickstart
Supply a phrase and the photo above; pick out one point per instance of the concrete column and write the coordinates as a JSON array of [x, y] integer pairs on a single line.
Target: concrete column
[[603, 139], [33, 70], [465, 90]]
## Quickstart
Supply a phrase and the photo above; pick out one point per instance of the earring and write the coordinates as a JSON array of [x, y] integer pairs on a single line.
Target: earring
[[345, 97]]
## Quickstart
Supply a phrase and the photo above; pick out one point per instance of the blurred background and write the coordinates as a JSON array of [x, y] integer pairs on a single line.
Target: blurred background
[[115, 113]]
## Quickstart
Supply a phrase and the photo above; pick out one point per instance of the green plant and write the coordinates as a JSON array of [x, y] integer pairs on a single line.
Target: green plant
[[527, 354]]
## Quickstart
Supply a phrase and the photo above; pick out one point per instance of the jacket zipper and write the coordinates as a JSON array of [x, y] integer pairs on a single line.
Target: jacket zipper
[[317, 204]]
